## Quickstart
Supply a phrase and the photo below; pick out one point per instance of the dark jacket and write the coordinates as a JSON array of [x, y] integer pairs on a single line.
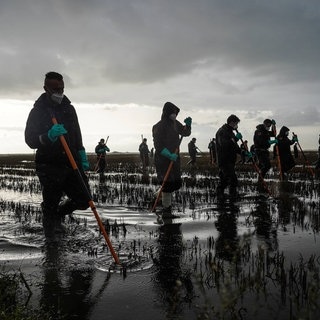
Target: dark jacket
[[226, 145], [144, 150], [284, 144], [261, 137], [192, 149], [166, 132], [40, 121], [100, 150]]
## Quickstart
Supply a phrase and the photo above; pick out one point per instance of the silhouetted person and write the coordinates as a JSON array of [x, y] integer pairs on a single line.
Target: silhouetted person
[[56, 176], [166, 137], [192, 150], [284, 143], [227, 150], [100, 151], [212, 150], [144, 153], [262, 143]]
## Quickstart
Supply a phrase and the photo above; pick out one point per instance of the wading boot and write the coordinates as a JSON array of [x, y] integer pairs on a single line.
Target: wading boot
[[220, 195], [66, 207], [167, 213], [233, 195]]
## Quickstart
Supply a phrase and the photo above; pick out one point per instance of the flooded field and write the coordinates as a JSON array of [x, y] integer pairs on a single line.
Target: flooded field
[[257, 258]]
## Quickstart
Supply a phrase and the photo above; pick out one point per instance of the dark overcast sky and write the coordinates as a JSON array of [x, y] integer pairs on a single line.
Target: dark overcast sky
[[253, 58]]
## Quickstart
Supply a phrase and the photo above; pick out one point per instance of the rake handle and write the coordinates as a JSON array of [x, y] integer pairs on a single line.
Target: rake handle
[[91, 204]]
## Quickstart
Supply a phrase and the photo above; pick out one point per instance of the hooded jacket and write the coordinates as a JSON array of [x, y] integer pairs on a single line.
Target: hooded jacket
[[166, 132], [284, 143], [39, 123], [226, 145], [261, 137]]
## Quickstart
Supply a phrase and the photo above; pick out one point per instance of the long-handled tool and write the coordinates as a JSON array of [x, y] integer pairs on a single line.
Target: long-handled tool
[[90, 201], [99, 158], [277, 151], [165, 178], [256, 168], [305, 158]]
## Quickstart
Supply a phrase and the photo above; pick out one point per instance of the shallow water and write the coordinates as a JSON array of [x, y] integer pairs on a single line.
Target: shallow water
[[258, 257]]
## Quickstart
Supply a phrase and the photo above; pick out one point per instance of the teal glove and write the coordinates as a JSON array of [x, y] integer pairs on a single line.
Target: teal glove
[[84, 160], [248, 154], [106, 149], [56, 131], [188, 121], [295, 138], [166, 153], [273, 141], [273, 122], [238, 136]]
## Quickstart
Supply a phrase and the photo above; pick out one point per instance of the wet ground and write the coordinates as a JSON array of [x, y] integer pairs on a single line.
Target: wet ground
[[258, 257]]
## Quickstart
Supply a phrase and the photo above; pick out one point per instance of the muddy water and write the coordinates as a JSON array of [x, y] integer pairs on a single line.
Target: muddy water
[[258, 257]]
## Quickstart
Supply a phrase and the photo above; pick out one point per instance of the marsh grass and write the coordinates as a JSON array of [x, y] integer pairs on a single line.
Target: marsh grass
[[241, 274], [14, 296]]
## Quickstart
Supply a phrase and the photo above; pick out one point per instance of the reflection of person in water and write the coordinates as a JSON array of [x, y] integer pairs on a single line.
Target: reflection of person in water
[[174, 282], [66, 294], [264, 227], [227, 243]]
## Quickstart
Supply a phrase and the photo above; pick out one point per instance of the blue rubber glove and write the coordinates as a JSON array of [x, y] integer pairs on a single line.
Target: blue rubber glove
[[106, 149], [273, 122], [238, 136], [56, 131], [166, 153], [273, 141], [84, 160], [188, 121]]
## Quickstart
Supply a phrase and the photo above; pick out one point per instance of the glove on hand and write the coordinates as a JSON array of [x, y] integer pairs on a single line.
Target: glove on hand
[[248, 154], [295, 138], [106, 149], [56, 131], [166, 153], [84, 160], [238, 136], [188, 121], [273, 141], [273, 122]]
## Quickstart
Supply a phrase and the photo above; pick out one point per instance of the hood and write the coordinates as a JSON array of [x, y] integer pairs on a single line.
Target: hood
[[261, 127], [168, 109], [283, 131]]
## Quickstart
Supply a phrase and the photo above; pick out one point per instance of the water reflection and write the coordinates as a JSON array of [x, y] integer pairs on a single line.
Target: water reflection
[[173, 279], [65, 292], [227, 242], [265, 227], [285, 203]]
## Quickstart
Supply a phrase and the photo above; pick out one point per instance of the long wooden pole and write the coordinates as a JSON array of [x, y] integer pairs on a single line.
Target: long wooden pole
[[165, 178], [91, 203]]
